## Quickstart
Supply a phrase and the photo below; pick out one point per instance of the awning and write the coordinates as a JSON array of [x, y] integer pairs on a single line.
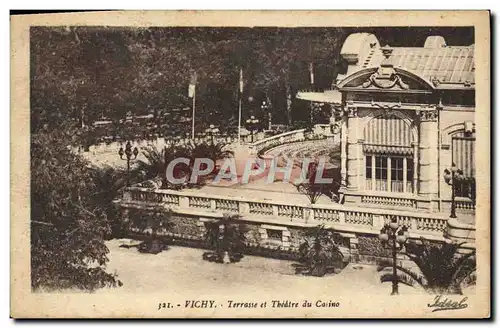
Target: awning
[[329, 96], [387, 149]]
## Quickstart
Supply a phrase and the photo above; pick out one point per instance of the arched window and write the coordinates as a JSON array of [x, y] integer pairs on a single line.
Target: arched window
[[460, 139], [388, 153], [462, 154]]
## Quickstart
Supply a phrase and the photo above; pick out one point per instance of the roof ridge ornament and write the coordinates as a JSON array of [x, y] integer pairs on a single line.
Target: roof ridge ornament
[[385, 77], [435, 81], [386, 51]]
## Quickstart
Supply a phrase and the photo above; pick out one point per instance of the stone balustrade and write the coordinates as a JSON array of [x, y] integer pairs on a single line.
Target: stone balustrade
[[158, 143], [340, 217], [392, 200], [319, 131], [465, 204]]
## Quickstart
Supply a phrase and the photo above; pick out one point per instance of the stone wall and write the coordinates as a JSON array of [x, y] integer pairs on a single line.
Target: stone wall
[[264, 239]]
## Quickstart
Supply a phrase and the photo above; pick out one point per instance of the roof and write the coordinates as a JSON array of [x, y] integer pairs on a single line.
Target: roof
[[435, 61], [445, 64]]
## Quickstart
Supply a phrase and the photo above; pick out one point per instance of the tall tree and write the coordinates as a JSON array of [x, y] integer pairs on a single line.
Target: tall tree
[[67, 226]]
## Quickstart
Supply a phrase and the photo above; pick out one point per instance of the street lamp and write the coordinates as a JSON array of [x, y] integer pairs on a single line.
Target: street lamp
[[265, 109], [451, 177], [394, 236], [252, 124], [211, 130], [128, 157]]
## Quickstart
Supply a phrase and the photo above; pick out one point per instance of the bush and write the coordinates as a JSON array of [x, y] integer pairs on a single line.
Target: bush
[[226, 238], [319, 254]]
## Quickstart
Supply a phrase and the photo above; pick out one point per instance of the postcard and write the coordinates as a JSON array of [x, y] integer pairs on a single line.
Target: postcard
[[250, 164]]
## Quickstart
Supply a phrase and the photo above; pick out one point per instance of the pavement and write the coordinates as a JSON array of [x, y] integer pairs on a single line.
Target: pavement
[[181, 270]]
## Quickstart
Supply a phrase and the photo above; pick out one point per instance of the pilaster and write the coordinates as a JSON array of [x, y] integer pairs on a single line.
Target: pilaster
[[353, 149], [428, 157], [343, 152]]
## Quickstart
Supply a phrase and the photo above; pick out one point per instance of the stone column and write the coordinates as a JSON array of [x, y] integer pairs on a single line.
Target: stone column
[[352, 149], [343, 152], [428, 155], [415, 167]]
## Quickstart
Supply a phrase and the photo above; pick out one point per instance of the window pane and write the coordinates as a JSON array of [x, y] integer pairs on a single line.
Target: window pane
[[384, 173], [368, 173], [409, 169], [380, 167], [396, 169]]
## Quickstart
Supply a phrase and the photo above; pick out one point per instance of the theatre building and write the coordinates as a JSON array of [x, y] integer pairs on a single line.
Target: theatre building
[[407, 116]]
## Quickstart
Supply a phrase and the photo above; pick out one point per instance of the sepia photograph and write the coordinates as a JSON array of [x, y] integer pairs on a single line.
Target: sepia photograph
[[254, 171]]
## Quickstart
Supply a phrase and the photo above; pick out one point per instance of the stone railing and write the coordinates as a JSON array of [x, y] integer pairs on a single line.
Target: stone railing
[[319, 131], [465, 204], [460, 232], [316, 89], [158, 143], [404, 202], [340, 217]]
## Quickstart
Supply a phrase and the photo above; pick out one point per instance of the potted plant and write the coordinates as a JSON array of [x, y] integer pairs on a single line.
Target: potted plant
[[319, 254], [226, 239]]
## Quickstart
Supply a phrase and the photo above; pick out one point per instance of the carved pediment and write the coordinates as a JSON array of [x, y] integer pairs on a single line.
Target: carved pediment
[[385, 78]]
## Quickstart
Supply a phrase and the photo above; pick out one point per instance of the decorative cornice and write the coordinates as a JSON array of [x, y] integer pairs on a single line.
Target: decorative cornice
[[385, 105]]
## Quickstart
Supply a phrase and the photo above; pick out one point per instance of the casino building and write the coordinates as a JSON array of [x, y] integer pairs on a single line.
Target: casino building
[[407, 116]]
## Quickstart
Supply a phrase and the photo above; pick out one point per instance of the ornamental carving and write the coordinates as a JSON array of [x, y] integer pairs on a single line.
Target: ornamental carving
[[317, 107], [428, 115], [386, 105], [385, 78], [351, 111]]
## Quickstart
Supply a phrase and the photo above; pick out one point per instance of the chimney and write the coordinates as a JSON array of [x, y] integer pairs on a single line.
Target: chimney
[[434, 42]]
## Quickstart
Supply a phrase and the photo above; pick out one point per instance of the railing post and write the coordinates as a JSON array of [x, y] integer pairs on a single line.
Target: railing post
[[311, 214], [341, 217], [305, 213], [243, 208], [127, 195], [308, 214], [378, 221], [183, 201], [414, 224], [275, 210], [213, 204]]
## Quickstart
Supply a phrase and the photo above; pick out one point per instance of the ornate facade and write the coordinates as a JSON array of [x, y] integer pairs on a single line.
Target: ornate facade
[[408, 114]]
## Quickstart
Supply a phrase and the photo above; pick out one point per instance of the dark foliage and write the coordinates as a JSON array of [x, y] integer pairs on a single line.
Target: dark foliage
[[226, 238], [153, 221], [109, 183], [441, 268], [313, 188], [156, 163], [68, 226], [86, 73], [319, 254]]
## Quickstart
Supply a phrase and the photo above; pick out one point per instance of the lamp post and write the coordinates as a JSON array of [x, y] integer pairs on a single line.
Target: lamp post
[[264, 107], [394, 236], [451, 177], [212, 130], [128, 157], [252, 124]]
